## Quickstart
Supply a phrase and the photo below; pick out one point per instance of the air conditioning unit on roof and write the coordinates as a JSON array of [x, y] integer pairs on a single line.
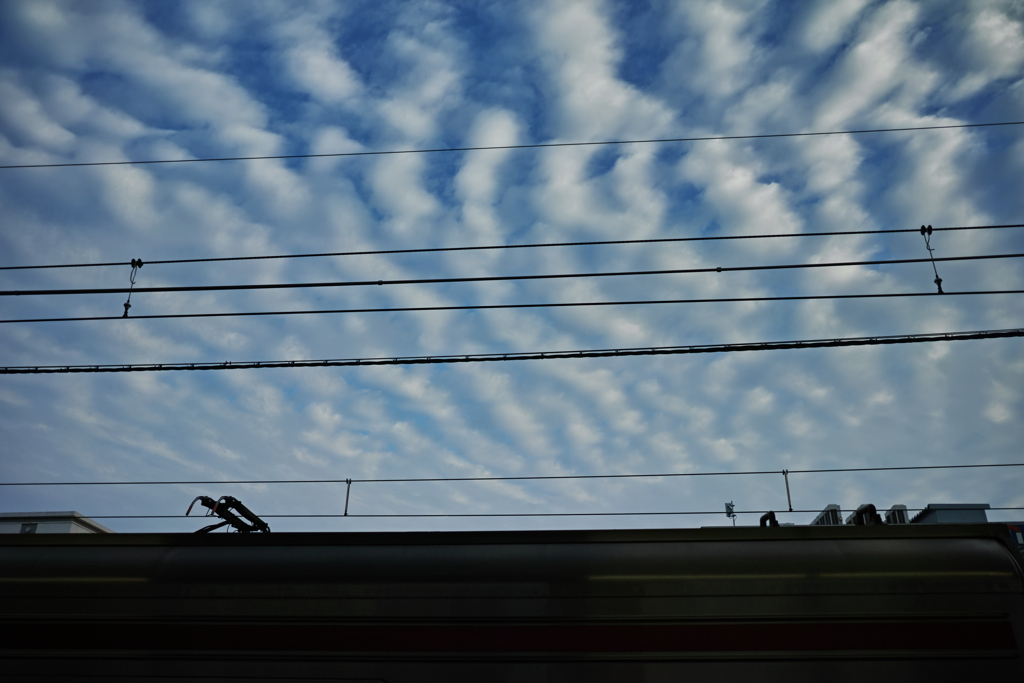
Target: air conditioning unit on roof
[[830, 516], [897, 514]]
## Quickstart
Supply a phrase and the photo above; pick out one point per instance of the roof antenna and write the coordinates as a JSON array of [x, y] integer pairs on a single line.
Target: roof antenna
[[926, 233], [136, 264]]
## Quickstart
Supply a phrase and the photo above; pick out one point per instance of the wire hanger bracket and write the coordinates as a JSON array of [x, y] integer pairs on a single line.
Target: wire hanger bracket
[[926, 233], [136, 264]]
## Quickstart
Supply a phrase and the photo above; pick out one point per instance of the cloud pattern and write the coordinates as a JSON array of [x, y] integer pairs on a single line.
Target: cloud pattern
[[111, 80]]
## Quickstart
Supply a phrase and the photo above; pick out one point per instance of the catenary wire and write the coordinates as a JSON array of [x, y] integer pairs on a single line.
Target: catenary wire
[[538, 355], [507, 514], [490, 278], [474, 307], [539, 145], [655, 475], [538, 245]]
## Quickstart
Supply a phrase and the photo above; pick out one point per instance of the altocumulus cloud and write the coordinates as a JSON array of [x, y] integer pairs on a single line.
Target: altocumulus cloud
[[116, 81]]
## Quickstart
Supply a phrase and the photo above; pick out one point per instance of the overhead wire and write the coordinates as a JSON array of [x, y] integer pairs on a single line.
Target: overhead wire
[[539, 355], [658, 475], [539, 477], [506, 514], [537, 245], [472, 307], [490, 278], [541, 145], [901, 339]]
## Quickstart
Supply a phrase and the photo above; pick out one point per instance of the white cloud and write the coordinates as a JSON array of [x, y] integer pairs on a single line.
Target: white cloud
[[67, 103], [25, 117], [331, 140], [582, 54], [743, 204], [477, 181], [211, 18], [718, 52], [398, 188], [829, 22], [130, 193], [313, 63], [874, 66], [994, 46], [430, 83], [1000, 409]]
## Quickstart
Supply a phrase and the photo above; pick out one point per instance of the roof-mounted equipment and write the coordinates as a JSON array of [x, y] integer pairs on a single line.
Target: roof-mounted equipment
[[222, 508], [832, 515], [897, 514], [866, 515]]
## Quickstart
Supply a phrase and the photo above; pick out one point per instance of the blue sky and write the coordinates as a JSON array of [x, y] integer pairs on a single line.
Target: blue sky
[[112, 81]]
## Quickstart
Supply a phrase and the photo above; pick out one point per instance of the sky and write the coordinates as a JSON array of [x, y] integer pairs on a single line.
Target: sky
[[90, 81]]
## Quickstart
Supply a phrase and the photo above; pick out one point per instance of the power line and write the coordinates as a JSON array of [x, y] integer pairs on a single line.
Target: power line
[[541, 355], [540, 477], [488, 278], [511, 246], [471, 307], [506, 514], [530, 146]]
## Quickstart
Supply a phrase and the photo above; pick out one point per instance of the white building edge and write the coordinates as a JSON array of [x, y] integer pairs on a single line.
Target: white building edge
[[49, 523]]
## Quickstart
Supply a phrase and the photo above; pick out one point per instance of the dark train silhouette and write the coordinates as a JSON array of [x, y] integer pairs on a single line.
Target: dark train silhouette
[[832, 603]]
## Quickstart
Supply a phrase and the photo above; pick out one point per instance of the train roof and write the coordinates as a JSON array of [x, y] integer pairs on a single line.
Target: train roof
[[993, 530]]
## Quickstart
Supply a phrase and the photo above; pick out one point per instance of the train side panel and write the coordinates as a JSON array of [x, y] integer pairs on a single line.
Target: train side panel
[[789, 604]]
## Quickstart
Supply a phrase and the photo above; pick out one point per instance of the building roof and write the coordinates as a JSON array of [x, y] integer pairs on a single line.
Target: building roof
[[70, 516]]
